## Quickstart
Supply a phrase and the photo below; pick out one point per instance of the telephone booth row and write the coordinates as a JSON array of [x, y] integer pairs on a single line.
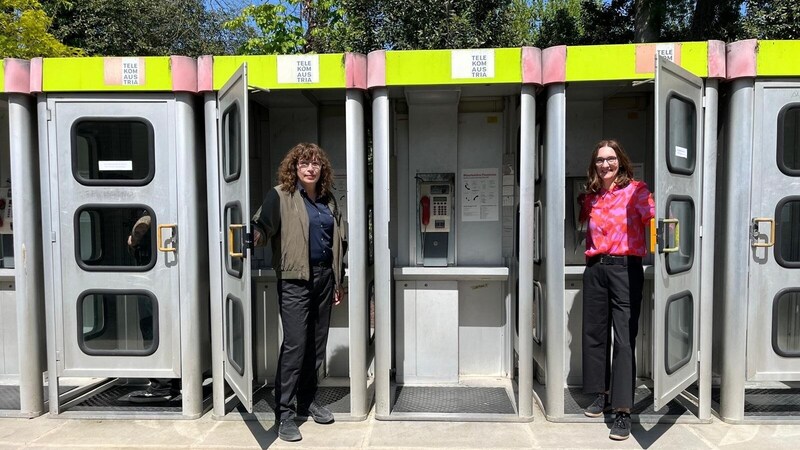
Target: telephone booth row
[[22, 345], [256, 109], [757, 291], [454, 138], [125, 237]]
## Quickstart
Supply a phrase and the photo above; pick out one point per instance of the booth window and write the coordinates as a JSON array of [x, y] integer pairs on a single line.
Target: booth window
[[681, 135], [113, 152], [679, 336], [115, 238], [786, 323], [787, 232], [231, 143], [789, 140], [233, 236], [681, 208], [234, 337], [117, 323]]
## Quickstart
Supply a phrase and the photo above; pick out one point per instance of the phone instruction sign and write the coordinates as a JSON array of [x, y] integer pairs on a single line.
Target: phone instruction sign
[[480, 195], [477, 63], [298, 69]]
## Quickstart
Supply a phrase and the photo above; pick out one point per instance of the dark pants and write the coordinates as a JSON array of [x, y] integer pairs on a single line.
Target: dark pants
[[305, 315], [612, 294]]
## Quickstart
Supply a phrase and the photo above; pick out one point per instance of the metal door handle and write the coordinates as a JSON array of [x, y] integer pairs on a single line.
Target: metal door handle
[[677, 235], [771, 240], [653, 235], [161, 248], [231, 227]]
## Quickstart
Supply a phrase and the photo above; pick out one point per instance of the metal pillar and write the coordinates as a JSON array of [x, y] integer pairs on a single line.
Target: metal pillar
[[555, 314], [735, 249], [383, 261], [527, 166], [357, 250], [28, 253]]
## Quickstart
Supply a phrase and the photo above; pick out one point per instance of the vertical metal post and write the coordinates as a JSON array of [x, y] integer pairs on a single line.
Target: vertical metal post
[[214, 254], [707, 246], [193, 294], [27, 253], [527, 163], [735, 249], [555, 313], [383, 261], [357, 250]]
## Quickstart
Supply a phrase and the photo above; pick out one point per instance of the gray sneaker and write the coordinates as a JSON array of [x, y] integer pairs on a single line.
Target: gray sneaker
[[598, 406], [288, 431], [621, 428]]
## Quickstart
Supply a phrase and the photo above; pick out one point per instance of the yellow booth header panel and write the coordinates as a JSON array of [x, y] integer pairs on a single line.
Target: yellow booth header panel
[[632, 61], [443, 67], [152, 73], [309, 71]]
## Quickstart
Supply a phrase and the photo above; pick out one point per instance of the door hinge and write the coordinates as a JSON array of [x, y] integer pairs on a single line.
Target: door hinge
[[704, 101], [700, 231], [52, 236], [48, 114], [698, 356], [58, 355]]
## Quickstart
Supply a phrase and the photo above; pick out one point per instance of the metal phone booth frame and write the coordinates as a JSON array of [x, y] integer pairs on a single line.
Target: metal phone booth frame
[[588, 99], [454, 339], [757, 364], [118, 141], [22, 331], [256, 109]]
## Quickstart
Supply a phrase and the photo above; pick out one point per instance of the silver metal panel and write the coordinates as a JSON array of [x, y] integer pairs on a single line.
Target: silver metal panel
[[160, 195], [732, 276], [234, 94], [427, 332], [451, 273], [480, 146], [481, 328], [28, 244], [9, 343], [267, 328], [383, 256], [674, 81], [768, 278]]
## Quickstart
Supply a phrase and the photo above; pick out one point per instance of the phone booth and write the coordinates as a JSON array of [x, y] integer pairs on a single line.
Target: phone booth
[[123, 219], [455, 152], [660, 102], [22, 331], [256, 109], [757, 336]]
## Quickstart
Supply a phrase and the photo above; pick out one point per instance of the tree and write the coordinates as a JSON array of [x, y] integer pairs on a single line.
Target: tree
[[24, 31], [771, 19], [141, 27]]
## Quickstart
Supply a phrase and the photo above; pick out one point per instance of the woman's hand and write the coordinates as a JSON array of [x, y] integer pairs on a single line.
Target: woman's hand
[[338, 294]]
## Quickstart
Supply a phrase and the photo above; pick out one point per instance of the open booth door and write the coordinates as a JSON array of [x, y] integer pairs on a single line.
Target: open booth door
[[678, 195], [234, 211]]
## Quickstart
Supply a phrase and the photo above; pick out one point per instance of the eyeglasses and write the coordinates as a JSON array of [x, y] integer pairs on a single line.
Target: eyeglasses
[[307, 164], [611, 160]]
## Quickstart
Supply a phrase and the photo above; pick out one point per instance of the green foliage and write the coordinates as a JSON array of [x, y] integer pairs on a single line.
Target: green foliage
[[141, 27], [279, 28], [771, 19], [24, 31]]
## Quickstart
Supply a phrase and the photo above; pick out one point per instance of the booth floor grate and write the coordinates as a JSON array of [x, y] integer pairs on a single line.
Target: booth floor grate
[[762, 402], [116, 398], [335, 398], [575, 401], [9, 396], [453, 400]]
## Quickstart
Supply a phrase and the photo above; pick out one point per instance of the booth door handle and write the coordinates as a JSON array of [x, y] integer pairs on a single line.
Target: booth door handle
[[663, 225], [161, 227], [771, 241], [231, 252]]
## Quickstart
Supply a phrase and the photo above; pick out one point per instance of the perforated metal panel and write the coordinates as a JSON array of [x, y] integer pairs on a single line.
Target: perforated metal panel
[[453, 400]]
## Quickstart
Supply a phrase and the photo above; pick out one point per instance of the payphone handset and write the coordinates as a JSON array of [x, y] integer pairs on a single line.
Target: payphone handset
[[435, 204]]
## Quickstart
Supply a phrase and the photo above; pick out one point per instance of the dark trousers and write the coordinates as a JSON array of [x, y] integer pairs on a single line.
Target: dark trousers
[[612, 295], [305, 314]]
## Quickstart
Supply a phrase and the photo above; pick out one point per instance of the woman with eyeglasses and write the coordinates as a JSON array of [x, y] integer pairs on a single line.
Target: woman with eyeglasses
[[300, 218], [618, 209]]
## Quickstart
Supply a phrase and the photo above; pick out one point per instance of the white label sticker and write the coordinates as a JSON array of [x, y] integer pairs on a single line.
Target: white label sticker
[[115, 166], [131, 72], [681, 152], [298, 69], [472, 63], [666, 50]]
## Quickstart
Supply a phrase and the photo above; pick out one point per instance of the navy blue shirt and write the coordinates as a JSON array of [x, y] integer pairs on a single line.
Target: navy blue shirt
[[320, 229]]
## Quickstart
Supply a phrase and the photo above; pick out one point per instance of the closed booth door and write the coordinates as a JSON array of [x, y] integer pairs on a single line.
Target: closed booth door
[[116, 246], [773, 338]]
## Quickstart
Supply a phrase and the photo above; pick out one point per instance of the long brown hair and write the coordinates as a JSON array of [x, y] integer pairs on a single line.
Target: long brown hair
[[624, 168], [305, 151]]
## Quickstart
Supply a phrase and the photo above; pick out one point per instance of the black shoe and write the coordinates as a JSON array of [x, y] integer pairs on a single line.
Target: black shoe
[[319, 413], [288, 431], [598, 406], [622, 427]]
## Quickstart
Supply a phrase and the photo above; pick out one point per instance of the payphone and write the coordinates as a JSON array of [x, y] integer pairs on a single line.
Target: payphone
[[434, 217]]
